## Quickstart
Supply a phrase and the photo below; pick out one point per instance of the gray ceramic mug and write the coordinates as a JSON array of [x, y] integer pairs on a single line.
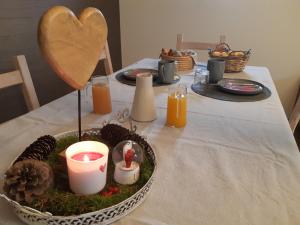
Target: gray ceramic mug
[[166, 71], [216, 69]]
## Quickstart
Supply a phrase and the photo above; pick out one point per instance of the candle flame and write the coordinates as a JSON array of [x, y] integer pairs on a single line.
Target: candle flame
[[86, 158]]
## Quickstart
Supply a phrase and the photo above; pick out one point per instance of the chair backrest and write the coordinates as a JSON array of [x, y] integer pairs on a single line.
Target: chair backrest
[[107, 60], [196, 45], [295, 115], [21, 76]]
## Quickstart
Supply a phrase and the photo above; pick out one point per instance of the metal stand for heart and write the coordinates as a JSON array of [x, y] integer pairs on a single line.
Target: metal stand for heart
[[79, 115]]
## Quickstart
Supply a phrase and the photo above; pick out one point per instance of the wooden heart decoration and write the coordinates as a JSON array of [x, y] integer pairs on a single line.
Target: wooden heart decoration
[[72, 46]]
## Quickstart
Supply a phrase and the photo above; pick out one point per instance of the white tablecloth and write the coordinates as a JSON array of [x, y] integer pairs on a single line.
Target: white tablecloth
[[234, 163]]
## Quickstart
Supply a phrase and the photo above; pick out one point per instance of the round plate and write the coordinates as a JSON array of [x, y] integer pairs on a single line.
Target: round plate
[[156, 82], [240, 86], [132, 73]]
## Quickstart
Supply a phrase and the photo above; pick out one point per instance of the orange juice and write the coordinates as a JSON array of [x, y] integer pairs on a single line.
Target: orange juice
[[176, 111], [181, 112], [101, 98], [171, 110]]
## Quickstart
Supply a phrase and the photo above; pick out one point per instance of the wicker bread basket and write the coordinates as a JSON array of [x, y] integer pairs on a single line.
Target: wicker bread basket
[[235, 61], [183, 63]]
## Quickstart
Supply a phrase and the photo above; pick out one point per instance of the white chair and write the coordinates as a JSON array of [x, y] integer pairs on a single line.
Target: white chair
[[105, 55], [21, 76], [295, 115], [181, 44]]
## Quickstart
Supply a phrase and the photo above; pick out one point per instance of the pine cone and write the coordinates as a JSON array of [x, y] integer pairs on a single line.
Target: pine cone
[[40, 149], [27, 179], [113, 133]]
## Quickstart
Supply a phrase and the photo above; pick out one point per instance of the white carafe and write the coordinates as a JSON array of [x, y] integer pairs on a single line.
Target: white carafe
[[143, 107]]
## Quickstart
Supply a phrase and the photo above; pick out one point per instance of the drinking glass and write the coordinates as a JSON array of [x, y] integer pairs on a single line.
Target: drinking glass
[[85, 93], [101, 95], [177, 106], [201, 76]]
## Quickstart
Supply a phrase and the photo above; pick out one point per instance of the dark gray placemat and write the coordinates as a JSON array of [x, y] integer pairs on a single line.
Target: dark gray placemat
[[213, 91], [121, 78]]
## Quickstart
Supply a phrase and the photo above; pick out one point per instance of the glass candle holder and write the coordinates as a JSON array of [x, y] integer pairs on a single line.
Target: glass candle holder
[[87, 167]]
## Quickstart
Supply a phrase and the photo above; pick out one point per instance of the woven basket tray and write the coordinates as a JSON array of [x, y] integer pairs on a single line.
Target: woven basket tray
[[233, 63], [184, 63], [104, 216]]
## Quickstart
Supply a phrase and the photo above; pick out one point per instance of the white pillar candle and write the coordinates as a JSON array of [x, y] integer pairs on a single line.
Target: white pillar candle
[[87, 166]]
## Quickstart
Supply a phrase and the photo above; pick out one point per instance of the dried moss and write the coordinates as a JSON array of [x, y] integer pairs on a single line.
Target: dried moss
[[61, 201]]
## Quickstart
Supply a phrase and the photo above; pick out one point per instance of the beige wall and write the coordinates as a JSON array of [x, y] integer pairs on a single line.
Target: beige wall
[[270, 27]]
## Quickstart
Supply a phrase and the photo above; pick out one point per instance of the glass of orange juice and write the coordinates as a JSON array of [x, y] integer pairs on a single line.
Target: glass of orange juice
[[101, 95], [177, 106]]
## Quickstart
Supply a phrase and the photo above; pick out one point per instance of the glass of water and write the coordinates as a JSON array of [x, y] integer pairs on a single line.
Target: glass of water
[[201, 76]]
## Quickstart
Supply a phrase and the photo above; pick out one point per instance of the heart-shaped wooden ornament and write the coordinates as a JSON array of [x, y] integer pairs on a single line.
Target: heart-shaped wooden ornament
[[72, 46]]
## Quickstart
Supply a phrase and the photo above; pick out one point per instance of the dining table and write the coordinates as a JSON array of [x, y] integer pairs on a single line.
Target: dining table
[[233, 163]]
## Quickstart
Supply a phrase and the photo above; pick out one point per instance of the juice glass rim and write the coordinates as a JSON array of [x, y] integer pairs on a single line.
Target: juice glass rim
[[100, 79]]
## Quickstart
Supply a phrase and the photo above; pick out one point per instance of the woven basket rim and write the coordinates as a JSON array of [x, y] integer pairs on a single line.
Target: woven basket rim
[[246, 56], [184, 63], [184, 57]]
